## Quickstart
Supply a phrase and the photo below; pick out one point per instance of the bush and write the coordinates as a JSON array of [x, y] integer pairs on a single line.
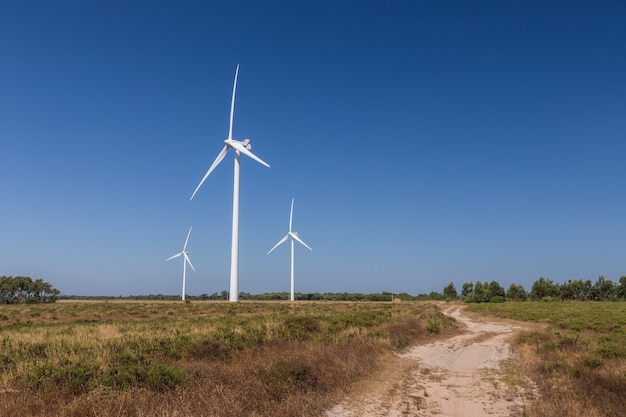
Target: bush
[[156, 377], [300, 327], [208, 349], [433, 326], [75, 378], [406, 332], [161, 377], [288, 376]]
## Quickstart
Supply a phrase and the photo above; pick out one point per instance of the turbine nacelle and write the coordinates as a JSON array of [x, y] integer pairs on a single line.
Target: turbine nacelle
[[240, 146], [231, 143], [245, 143]]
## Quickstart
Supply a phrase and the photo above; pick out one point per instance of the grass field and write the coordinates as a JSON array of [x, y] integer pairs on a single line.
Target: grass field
[[197, 359], [574, 352]]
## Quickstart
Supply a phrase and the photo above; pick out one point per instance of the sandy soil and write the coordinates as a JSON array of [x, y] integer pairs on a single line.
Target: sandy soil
[[460, 376]]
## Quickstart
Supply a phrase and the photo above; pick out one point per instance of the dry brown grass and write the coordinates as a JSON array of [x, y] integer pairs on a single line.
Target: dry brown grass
[[569, 380], [198, 359], [280, 380]]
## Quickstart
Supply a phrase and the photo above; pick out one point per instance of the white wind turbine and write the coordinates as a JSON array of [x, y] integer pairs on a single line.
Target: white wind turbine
[[244, 148], [294, 237], [185, 254]]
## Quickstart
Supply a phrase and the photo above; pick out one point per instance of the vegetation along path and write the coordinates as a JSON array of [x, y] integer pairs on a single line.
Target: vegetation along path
[[460, 376]]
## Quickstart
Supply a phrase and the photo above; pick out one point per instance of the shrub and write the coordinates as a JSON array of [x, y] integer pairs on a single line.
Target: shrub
[[208, 349], [433, 326], [161, 377], [300, 328], [592, 362], [288, 376], [406, 332], [68, 376]]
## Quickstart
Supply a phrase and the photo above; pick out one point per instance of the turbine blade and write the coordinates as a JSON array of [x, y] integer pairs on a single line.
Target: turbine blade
[[188, 261], [232, 105], [219, 158], [187, 240], [291, 215], [279, 243], [241, 148], [295, 237], [175, 256]]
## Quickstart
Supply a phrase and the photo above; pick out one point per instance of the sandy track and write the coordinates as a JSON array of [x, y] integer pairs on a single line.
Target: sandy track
[[460, 376]]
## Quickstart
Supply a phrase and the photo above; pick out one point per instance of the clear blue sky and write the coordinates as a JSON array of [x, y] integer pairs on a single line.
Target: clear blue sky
[[424, 142]]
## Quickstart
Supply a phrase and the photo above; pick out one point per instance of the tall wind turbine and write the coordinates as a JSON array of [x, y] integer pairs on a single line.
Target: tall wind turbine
[[185, 254], [294, 237], [244, 148]]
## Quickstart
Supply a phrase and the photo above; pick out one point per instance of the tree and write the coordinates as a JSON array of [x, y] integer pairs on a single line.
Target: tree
[[604, 289], [496, 292], [480, 294], [545, 289], [467, 289], [576, 290], [516, 293], [449, 292], [434, 295], [14, 290]]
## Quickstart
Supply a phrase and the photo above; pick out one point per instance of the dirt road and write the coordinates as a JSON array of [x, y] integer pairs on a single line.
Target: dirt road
[[457, 377]]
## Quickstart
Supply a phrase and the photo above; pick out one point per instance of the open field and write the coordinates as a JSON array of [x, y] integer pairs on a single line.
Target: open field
[[574, 352], [200, 358]]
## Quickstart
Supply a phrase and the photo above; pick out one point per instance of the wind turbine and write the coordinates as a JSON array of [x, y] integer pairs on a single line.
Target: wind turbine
[[240, 147], [185, 254], [294, 237]]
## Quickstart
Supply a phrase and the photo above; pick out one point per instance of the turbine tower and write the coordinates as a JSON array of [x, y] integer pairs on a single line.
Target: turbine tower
[[294, 237], [240, 147], [185, 254]]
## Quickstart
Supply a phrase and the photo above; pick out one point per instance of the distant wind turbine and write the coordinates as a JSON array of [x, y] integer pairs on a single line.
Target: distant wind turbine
[[244, 148], [185, 254], [294, 237]]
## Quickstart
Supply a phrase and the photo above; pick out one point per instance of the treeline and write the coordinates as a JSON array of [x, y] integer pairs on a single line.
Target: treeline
[[16, 290], [471, 292], [333, 296], [542, 290], [272, 296]]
